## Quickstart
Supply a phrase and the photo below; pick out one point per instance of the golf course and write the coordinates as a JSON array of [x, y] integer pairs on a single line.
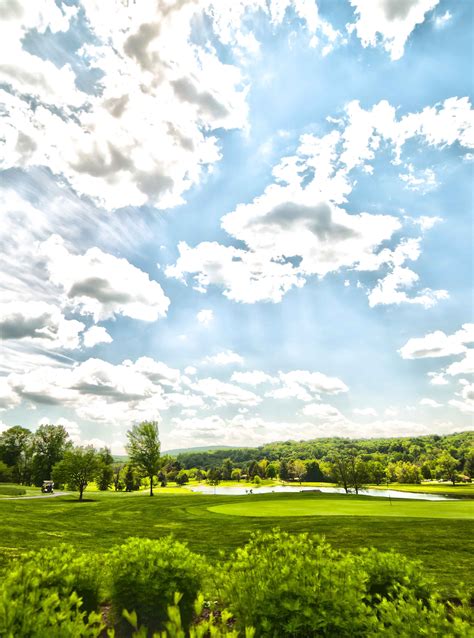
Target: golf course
[[440, 534]]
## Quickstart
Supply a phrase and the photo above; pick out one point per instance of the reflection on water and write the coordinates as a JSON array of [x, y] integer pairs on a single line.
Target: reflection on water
[[241, 491]]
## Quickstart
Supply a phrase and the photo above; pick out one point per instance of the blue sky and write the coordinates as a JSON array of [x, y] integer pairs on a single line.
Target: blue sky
[[251, 220]]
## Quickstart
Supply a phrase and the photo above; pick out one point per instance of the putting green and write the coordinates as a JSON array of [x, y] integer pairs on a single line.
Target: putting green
[[352, 506]]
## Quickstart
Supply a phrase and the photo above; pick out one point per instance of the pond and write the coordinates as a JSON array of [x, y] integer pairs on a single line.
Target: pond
[[225, 490]]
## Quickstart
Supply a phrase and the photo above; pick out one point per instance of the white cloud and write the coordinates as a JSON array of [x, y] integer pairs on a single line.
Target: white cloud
[[205, 316], [442, 20], [298, 228], [224, 358], [95, 335], [466, 402], [390, 290], [392, 20], [254, 377], [437, 378], [365, 411], [39, 323], [465, 366], [224, 394], [422, 181], [438, 344], [8, 397], [426, 222], [145, 131], [315, 382], [322, 411], [431, 403], [103, 285]]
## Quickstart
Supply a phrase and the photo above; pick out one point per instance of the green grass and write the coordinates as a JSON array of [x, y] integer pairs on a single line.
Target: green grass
[[444, 545], [337, 505], [11, 490], [462, 490]]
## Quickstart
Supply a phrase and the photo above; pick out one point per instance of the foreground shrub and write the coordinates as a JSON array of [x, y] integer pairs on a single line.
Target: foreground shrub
[[299, 587], [206, 628], [389, 574], [296, 586], [146, 573], [58, 569], [31, 607]]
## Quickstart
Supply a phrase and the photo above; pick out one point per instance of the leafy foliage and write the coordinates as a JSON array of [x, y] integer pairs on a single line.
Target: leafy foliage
[[144, 449], [49, 594], [145, 574], [79, 467]]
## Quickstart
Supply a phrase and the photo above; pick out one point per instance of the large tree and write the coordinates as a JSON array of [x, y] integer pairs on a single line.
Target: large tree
[[79, 467], [15, 452], [105, 476], [144, 449], [50, 443]]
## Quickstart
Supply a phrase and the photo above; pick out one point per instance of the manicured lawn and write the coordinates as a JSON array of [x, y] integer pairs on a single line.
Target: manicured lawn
[[444, 545], [337, 505], [461, 490]]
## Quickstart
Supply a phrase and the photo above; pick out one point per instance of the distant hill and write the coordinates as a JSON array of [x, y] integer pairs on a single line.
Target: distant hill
[[206, 448]]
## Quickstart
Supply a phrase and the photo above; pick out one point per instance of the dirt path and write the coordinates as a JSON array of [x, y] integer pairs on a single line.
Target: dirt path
[[28, 498]]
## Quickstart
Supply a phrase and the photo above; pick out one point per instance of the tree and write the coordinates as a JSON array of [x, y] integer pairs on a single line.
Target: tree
[[15, 451], [144, 449], [214, 477], [227, 467], [447, 467], [105, 477], [117, 476], [297, 470], [284, 475], [131, 479], [5, 473], [272, 471], [313, 472], [50, 443], [182, 478], [79, 467], [236, 474]]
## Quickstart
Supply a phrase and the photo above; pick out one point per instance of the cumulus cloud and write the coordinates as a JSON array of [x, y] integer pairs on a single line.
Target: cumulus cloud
[[465, 402], [322, 411], [147, 130], [253, 377], [95, 335], [224, 358], [364, 412], [224, 394], [431, 403], [299, 228], [103, 285], [438, 344], [391, 21], [304, 385], [205, 316], [39, 323]]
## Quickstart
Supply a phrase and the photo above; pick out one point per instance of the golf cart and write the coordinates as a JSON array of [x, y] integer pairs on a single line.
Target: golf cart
[[47, 487]]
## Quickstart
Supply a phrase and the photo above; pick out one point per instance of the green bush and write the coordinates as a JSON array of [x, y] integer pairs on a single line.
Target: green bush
[[210, 627], [299, 587], [390, 574], [296, 586], [11, 491], [35, 603], [409, 617], [146, 573]]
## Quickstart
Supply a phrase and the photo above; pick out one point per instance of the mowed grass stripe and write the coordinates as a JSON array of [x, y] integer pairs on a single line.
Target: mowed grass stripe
[[347, 506]]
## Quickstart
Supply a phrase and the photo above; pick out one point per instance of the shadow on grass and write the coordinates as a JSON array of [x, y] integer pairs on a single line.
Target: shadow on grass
[[76, 500]]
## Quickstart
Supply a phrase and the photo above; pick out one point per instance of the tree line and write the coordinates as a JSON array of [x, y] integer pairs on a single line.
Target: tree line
[[29, 458]]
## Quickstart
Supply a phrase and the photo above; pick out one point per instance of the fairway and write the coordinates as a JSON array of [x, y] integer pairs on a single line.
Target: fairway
[[347, 506]]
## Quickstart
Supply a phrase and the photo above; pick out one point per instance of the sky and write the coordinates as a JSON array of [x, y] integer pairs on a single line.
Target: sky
[[249, 220]]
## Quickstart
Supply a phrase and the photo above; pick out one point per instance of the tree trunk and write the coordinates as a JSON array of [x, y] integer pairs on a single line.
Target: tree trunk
[[151, 485], [81, 489]]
